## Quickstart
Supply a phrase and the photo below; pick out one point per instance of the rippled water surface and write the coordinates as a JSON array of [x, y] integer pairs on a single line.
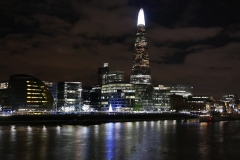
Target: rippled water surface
[[160, 140]]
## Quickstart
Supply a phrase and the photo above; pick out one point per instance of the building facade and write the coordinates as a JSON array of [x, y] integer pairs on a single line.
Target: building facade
[[4, 97], [200, 103], [102, 74], [121, 96], [231, 102], [140, 68], [69, 96], [53, 88], [28, 93], [115, 76], [164, 100]]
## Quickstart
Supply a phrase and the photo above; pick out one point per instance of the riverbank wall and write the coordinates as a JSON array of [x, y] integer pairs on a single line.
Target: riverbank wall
[[110, 117]]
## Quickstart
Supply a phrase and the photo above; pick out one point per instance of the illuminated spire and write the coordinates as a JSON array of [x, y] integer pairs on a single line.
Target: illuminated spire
[[141, 17], [140, 70]]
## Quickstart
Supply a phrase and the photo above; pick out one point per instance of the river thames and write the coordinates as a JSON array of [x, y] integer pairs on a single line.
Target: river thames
[[145, 140]]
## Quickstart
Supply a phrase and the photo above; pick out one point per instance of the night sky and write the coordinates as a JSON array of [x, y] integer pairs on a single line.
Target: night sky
[[192, 42]]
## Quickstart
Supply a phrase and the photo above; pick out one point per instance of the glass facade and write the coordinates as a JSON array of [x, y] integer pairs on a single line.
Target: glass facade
[[199, 102], [121, 96], [143, 96], [162, 95], [53, 88], [29, 93], [141, 69], [115, 76], [4, 97], [102, 74], [69, 96], [231, 102], [161, 98]]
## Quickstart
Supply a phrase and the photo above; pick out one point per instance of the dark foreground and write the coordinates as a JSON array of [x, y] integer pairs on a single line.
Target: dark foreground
[[140, 140], [102, 118]]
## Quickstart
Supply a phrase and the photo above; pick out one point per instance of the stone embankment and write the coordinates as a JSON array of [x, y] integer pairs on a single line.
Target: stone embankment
[[100, 117]]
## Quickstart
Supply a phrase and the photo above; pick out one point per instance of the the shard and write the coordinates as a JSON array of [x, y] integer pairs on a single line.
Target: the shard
[[140, 69]]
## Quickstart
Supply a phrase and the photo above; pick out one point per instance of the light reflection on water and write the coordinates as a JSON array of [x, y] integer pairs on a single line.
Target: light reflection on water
[[166, 139]]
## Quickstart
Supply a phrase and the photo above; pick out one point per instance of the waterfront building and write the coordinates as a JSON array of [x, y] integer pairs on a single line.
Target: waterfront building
[[28, 93], [140, 74], [181, 90], [69, 96], [164, 99], [4, 97], [53, 88], [95, 98], [178, 103], [231, 102], [86, 97], [218, 106], [4, 85], [143, 96], [200, 103], [121, 96], [161, 98], [140, 67]]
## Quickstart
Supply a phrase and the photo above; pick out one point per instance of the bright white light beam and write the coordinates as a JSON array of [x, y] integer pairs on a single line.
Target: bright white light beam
[[141, 17]]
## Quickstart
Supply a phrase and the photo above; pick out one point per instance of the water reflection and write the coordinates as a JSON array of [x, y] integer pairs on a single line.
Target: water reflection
[[110, 138], [166, 139]]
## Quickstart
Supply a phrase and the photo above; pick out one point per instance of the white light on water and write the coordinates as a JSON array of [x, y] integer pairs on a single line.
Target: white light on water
[[141, 17]]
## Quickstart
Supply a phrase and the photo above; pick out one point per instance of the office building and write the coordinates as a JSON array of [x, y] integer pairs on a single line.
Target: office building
[[53, 88], [161, 98], [69, 96], [231, 102], [140, 67], [200, 103], [4, 97], [27, 93], [91, 97], [102, 74], [121, 96], [115, 76], [164, 100]]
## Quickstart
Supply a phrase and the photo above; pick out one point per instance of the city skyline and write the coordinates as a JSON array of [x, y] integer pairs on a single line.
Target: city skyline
[[195, 43]]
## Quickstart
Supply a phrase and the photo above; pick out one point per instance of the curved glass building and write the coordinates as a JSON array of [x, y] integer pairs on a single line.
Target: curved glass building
[[29, 93]]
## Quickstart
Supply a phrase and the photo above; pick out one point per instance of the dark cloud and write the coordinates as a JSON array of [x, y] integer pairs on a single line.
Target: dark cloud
[[190, 42], [182, 34]]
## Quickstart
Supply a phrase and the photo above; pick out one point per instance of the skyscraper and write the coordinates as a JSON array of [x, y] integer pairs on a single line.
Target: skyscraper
[[102, 74], [140, 69]]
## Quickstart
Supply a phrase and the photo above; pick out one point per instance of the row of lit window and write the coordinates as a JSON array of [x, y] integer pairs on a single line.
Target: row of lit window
[[34, 89], [31, 82], [196, 101], [33, 93], [70, 100], [34, 97], [130, 97], [37, 101], [72, 91], [32, 85], [113, 91]]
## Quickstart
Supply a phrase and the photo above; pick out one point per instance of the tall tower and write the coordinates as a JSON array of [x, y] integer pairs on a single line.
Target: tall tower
[[140, 69]]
